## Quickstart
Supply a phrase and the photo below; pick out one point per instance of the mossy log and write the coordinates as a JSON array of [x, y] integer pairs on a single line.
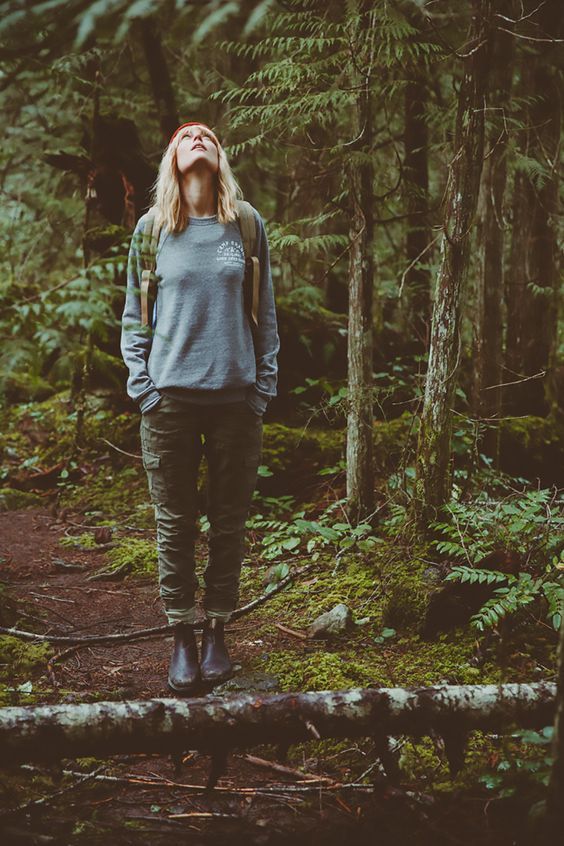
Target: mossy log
[[212, 723]]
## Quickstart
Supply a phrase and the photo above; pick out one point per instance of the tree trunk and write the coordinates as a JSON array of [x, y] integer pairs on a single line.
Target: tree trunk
[[532, 288], [360, 421], [161, 85], [487, 353], [416, 166], [213, 723], [360, 477], [433, 483]]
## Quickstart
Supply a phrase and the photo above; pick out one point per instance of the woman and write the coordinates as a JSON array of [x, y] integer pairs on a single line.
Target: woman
[[198, 374]]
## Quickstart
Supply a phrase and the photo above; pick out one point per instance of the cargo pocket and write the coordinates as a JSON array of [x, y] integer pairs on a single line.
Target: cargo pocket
[[155, 476]]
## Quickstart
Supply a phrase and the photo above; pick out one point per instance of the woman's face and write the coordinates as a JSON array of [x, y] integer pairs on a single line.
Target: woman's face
[[196, 149]]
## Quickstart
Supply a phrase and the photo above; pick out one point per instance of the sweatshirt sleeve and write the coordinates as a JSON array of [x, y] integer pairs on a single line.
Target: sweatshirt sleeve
[[267, 340], [136, 339]]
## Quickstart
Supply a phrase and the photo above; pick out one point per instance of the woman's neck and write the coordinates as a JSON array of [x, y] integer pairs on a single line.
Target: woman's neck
[[199, 194]]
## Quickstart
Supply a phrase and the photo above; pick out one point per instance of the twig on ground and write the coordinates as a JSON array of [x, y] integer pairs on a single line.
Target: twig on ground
[[46, 800], [293, 632], [162, 781], [54, 598], [59, 656], [280, 768], [152, 632]]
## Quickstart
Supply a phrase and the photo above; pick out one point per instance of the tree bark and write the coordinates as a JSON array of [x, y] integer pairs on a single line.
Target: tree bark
[[433, 482], [487, 352], [360, 420], [416, 175], [161, 84], [213, 723], [532, 288]]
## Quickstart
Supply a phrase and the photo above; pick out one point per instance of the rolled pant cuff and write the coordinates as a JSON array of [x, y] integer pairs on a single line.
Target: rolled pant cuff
[[221, 615], [181, 615]]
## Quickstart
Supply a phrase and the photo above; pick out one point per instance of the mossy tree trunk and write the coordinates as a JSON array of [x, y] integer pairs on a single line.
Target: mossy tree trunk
[[360, 473], [533, 279], [52, 732], [487, 342], [434, 478], [418, 238]]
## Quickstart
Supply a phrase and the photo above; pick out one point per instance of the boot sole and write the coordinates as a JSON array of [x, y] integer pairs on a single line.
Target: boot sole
[[185, 690]]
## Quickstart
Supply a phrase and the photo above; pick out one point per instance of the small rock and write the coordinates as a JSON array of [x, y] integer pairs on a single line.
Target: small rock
[[332, 623]]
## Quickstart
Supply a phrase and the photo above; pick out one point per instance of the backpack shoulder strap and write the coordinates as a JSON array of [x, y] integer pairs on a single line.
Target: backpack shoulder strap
[[149, 244], [248, 227]]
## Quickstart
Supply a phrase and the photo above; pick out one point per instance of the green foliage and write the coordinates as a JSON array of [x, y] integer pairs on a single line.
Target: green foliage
[[276, 574], [516, 592], [530, 524], [300, 535], [526, 760]]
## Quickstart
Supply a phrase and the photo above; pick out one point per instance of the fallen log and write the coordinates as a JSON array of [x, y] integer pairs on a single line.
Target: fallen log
[[218, 723]]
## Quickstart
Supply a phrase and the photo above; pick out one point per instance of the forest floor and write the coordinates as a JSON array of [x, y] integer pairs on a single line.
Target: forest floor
[[48, 553]]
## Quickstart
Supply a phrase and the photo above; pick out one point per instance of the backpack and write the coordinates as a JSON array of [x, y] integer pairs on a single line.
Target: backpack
[[149, 280]]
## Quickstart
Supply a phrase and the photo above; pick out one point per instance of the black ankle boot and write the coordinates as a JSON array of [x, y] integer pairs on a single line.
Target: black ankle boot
[[215, 665], [184, 673]]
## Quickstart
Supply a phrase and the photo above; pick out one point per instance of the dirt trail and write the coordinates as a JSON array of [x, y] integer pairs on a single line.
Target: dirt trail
[[31, 559]]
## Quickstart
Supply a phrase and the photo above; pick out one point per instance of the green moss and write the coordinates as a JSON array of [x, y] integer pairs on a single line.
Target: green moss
[[286, 448], [133, 557], [406, 595], [409, 662], [353, 582], [112, 492], [19, 661], [425, 760], [317, 671], [391, 437], [12, 499], [531, 447], [417, 663], [19, 658], [86, 539]]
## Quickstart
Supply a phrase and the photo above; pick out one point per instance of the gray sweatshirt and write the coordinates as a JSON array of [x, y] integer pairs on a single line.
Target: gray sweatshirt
[[200, 348]]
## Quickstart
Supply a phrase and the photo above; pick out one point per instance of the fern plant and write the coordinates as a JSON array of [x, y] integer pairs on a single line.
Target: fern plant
[[516, 592], [529, 524], [301, 535]]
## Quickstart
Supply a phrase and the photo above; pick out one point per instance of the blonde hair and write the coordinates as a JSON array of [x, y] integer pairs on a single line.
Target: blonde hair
[[168, 203]]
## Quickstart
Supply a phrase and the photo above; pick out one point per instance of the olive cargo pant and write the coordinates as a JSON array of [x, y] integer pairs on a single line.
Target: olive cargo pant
[[172, 449]]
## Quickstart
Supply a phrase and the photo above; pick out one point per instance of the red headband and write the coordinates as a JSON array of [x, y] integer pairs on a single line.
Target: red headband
[[184, 125]]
